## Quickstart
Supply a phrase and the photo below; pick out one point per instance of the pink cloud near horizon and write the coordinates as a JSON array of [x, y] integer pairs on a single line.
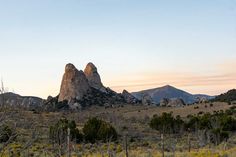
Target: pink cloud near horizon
[[221, 79]]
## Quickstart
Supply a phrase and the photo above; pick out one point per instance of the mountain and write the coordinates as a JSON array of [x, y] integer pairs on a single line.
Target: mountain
[[12, 99], [157, 94], [227, 97]]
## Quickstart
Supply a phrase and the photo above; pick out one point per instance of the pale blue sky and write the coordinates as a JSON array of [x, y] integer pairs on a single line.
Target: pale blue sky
[[135, 44]]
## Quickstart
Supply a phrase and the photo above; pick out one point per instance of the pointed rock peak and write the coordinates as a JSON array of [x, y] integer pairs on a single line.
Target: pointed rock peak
[[93, 77], [125, 91], [90, 68], [168, 86], [69, 67], [74, 84]]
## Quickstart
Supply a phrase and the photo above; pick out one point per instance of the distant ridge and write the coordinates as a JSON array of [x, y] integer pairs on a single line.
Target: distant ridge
[[227, 97], [12, 99], [157, 94]]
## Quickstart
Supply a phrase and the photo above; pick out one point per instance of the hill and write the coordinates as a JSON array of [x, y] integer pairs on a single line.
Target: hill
[[12, 99], [157, 94], [227, 97]]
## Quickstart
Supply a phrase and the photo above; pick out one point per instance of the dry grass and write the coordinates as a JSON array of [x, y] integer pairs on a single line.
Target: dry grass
[[134, 118], [130, 111]]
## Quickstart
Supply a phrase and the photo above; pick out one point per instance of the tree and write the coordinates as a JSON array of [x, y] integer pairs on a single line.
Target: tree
[[98, 130], [166, 123]]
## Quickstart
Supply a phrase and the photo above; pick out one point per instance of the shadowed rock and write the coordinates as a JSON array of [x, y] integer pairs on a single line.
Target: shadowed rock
[[93, 77], [129, 98]]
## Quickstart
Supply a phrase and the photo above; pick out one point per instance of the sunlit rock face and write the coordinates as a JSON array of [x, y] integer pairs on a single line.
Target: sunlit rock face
[[74, 84], [93, 76]]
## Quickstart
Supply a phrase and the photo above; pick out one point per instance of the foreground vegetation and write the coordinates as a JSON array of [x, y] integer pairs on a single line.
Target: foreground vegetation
[[118, 131]]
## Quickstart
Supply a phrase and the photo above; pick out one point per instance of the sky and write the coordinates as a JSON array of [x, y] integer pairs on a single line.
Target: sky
[[135, 44]]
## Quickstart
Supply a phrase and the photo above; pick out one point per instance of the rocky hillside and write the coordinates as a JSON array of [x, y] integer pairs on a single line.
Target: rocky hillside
[[12, 99], [169, 92]]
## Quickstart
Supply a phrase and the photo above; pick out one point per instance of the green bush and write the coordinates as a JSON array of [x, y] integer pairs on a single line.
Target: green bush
[[58, 132], [166, 123], [218, 125], [98, 130], [5, 133]]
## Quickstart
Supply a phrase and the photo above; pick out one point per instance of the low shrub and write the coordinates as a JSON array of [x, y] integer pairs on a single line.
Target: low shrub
[[98, 130]]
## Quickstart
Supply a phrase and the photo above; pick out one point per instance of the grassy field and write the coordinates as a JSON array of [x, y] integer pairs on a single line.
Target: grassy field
[[133, 121]]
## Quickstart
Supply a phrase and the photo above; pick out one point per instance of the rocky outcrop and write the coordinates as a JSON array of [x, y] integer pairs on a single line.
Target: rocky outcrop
[[147, 100], [84, 88], [80, 89], [164, 102], [174, 102], [74, 84], [99, 98], [93, 77], [129, 98]]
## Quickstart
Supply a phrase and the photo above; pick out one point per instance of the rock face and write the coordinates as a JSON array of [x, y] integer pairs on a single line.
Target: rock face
[[129, 98], [174, 102], [74, 84], [93, 77]]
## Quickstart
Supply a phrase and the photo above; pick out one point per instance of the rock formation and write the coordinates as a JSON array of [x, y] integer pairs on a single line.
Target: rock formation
[[74, 84], [174, 102], [82, 89], [93, 77], [129, 98], [147, 100]]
